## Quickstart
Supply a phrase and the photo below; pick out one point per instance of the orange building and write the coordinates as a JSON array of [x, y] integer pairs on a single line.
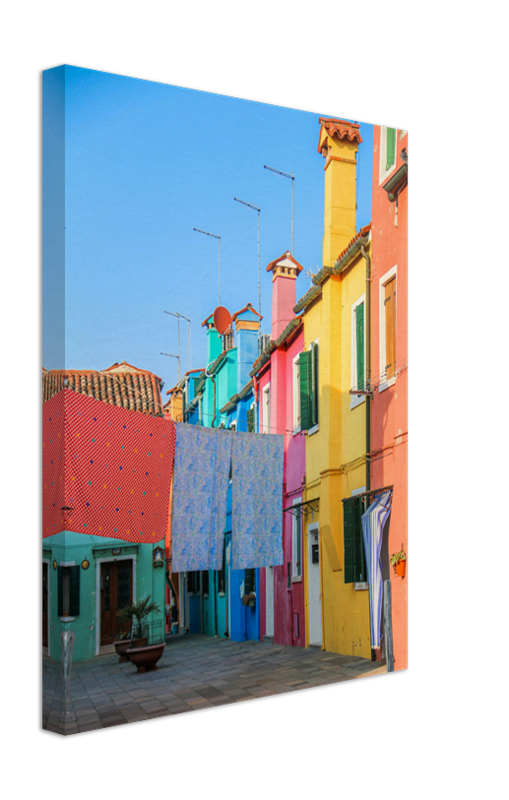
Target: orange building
[[389, 358]]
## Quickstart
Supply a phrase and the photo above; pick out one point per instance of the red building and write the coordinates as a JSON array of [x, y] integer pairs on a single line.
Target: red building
[[389, 358]]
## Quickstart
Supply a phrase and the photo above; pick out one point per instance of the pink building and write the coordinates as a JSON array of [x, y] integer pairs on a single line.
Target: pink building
[[389, 359], [277, 390]]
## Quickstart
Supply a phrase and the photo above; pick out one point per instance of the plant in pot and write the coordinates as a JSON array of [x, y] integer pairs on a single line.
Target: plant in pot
[[122, 644], [398, 561], [144, 657], [137, 614]]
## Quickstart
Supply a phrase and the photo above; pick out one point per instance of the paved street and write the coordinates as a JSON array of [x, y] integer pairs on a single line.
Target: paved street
[[195, 672]]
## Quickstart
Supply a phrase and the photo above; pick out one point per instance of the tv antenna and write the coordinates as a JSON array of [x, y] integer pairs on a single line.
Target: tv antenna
[[292, 178], [179, 317], [259, 292], [216, 236]]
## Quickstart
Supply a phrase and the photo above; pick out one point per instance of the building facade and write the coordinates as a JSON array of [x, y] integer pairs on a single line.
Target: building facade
[[389, 380], [276, 375], [337, 600], [213, 602], [88, 577]]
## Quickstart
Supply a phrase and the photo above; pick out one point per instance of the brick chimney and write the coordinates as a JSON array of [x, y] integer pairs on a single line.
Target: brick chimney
[[284, 294]]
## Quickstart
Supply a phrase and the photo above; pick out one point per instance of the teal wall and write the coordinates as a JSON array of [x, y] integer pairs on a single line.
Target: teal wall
[[68, 546]]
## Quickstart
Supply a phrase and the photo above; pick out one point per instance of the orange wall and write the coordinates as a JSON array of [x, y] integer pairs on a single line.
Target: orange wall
[[389, 419]]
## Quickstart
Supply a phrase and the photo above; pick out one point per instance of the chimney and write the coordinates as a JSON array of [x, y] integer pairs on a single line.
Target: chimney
[[214, 340], [247, 324], [284, 294], [338, 143]]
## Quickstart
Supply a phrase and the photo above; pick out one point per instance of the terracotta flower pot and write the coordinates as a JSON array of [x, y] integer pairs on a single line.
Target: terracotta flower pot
[[146, 658], [400, 569], [121, 647]]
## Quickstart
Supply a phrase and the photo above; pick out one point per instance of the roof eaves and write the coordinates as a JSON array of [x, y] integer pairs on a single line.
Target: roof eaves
[[308, 298]]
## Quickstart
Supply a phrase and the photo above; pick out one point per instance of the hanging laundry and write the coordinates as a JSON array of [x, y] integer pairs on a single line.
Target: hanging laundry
[[106, 470], [200, 487], [257, 500], [373, 521]]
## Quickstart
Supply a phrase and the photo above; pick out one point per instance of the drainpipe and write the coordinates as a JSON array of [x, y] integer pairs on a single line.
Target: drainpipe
[[368, 366], [213, 394]]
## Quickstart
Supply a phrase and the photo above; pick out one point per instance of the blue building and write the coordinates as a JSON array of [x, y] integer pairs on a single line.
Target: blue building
[[223, 603]]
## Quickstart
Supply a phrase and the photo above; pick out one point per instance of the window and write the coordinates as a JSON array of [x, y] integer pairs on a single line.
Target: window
[[296, 394], [266, 409], [358, 351], [354, 560], [251, 419], [387, 152], [233, 426], [205, 582], [387, 293], [69, 591], [390, 152], [249, 581], [308, 377], [297, 543]]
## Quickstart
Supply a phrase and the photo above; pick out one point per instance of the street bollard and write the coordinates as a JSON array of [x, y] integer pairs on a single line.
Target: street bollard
[[66, 648]]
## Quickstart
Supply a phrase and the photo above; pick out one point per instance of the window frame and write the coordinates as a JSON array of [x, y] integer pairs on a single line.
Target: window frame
[[384, 280], [309, 387], [383, 172], [297, 532], [265, 406], [296, 395], [356, 399]]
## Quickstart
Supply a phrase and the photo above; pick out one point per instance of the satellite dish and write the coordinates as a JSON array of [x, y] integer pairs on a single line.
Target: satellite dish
[[222, 319]]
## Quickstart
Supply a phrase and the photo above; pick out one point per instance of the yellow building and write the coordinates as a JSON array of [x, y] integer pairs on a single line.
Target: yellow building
[[337, 607]]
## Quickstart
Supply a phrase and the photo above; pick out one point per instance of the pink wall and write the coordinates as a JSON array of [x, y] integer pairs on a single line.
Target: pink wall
[[287, 602], [389, 419]]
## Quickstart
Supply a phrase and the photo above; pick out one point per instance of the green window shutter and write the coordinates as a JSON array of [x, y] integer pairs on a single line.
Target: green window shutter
[[391, 148], [250, 420], [305, 385], [60, 582], [314, 384], [355, 562], [359, 332], [74, 591]]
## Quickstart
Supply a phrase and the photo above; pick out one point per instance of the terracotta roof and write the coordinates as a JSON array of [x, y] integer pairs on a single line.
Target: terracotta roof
[[341, 129], [249, 307], [120, 385], [363, 232], [287, 256]]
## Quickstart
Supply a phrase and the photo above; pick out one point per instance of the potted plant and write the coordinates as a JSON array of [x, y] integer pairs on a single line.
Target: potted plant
[[122, 645], [137, 614], [249, 600], [398, 561], [143, 656]]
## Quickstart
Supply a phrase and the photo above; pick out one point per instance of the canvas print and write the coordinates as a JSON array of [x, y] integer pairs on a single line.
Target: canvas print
[[224, 400]]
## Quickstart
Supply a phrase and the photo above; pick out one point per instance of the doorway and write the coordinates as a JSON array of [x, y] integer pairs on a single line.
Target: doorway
[[314, 586], [116, 593], [45, 605]]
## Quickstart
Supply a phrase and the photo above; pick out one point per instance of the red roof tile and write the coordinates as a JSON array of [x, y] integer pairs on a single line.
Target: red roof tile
[[363, 231], [119, 385], [249, 307], [341, 129], [287, 256]]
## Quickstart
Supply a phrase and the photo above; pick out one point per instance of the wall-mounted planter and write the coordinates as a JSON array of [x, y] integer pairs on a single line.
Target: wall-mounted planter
[[400, 569]]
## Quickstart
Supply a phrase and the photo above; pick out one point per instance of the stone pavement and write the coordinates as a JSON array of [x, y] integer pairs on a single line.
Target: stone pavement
[[195, 672]]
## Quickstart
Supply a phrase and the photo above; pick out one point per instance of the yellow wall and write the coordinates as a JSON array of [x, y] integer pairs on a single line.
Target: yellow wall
[[340, 198], [340, 440]]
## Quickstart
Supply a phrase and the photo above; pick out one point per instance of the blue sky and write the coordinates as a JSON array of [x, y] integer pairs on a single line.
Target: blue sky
[[144, 164]]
